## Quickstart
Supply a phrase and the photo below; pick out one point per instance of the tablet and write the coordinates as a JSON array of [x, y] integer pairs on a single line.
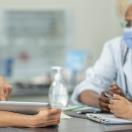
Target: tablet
[[23, 107]]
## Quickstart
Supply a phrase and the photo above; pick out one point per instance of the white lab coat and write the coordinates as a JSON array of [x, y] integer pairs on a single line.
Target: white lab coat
[[108, 69]]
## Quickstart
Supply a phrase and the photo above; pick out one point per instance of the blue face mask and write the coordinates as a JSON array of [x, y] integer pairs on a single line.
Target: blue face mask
[[127, 37]]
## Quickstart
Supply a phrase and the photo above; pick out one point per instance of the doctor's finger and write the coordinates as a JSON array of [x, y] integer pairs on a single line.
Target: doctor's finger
[[104, 106], [111, 106], [114, 86], [102, 98], [113, 101], [117, 97]]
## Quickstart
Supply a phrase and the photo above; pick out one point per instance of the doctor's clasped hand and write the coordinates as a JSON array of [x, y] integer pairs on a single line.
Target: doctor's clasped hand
[[105, 100], [121, 107]]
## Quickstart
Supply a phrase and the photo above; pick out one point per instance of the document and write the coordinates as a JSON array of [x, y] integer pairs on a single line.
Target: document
[[64, 116], [107, 119]]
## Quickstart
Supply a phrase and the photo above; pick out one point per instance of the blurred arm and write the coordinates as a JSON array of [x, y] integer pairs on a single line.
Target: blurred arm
[[9, 119], [89, 97]]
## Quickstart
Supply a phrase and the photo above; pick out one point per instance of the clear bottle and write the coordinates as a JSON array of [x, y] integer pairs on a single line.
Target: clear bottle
[[58, 94]]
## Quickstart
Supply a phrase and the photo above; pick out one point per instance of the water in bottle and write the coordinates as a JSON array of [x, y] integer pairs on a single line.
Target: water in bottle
[[58, 94]]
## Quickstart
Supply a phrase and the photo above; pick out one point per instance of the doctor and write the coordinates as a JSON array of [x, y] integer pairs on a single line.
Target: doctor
[[45, 117], [113, 66]]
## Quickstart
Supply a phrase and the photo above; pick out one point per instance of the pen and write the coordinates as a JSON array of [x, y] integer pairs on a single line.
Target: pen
[[108, 95]]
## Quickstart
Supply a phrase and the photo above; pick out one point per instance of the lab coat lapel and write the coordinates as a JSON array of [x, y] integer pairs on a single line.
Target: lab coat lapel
[[120, 65]]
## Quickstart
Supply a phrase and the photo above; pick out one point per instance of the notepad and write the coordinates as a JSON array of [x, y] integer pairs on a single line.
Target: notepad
[[109, 119]]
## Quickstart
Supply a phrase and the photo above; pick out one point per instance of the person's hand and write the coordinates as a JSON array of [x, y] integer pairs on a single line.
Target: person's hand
[[120, 107], [115, 89], [104, 102], [5, 89], [46, 117]]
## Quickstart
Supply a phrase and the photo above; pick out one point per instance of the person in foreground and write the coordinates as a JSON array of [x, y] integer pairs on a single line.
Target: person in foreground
[[44, 118], [111, 75]]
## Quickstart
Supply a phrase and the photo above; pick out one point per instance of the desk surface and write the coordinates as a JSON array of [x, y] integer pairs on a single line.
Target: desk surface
[[74, 125], [69, 125]]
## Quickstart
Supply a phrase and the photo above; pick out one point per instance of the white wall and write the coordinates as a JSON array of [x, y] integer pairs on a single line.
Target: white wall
[[95, 20]]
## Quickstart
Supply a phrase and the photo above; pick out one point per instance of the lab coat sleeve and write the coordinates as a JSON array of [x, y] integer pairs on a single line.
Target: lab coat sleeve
[[100, 76]]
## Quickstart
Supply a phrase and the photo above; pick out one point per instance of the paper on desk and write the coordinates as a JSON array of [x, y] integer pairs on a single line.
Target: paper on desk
[[108, 119], [64, 116], [73, 107]]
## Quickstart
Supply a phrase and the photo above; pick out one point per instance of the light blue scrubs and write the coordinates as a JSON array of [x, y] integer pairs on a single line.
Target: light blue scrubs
[[109, 68]]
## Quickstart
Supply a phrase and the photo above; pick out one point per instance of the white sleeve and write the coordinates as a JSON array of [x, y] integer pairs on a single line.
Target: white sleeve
[[100, 76]]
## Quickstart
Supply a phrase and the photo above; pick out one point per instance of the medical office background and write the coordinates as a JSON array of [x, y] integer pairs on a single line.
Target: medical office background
[[38, 34]]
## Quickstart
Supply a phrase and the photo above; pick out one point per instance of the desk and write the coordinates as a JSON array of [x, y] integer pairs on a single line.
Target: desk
[[69, 125], [74, 125]]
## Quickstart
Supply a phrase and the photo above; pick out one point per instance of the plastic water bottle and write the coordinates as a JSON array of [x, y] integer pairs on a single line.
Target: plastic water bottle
[[58, 94]]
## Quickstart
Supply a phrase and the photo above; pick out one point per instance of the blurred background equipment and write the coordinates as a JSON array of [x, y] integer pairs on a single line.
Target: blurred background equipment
[[35, 40], [75, 64]]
